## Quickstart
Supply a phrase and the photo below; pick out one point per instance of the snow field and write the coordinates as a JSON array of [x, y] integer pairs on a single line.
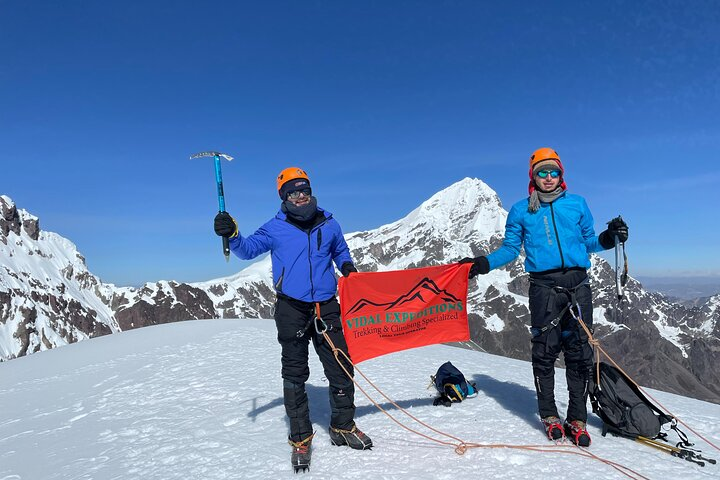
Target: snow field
[[203, 400]]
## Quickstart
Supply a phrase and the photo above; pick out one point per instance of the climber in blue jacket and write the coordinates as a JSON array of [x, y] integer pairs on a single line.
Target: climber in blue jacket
[[304, 242], [556, 230]]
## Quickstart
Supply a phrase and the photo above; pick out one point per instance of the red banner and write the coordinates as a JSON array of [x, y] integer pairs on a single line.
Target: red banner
[[385, 312]]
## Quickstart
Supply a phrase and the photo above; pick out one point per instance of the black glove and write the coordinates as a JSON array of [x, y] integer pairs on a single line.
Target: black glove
[[225, 225], [616, 228], [442, 400], [480, 266], [347, 268]]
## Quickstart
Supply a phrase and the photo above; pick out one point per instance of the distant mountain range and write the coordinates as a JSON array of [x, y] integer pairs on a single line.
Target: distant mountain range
[[49, 298], [687, 290]]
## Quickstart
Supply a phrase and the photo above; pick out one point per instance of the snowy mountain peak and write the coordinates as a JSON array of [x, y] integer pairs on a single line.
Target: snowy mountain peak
[[6, 204], [456, 222], [470, 204], [468, 191], [470, 198], [16, 221]]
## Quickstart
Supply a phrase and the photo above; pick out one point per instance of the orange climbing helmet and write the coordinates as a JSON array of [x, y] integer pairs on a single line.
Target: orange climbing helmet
[[292, 173], [540, 158], [544, 153]]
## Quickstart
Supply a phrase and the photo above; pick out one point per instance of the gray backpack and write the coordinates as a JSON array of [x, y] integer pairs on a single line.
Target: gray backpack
[[623, 408]]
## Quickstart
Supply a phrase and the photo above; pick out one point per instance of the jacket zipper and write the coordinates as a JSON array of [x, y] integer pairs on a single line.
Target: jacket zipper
[[278, 285], [557, 237], [309, 235], [312, 286]]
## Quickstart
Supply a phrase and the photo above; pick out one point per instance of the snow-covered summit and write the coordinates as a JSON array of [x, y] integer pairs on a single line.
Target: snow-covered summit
[[456, 222], [467, 206]]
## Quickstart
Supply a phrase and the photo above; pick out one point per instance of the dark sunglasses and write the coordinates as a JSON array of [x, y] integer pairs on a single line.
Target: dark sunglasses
[[296, 194], [545, 173]]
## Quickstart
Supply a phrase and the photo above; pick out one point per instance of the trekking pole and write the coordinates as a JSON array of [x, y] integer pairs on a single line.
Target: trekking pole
[[221, 194], [684, 453]]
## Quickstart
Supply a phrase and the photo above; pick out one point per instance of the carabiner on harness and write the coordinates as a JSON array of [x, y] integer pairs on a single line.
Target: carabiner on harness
[[320, 325]]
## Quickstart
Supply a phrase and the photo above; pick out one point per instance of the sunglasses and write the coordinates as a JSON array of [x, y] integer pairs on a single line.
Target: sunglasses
[[296, 194], [545, 173]]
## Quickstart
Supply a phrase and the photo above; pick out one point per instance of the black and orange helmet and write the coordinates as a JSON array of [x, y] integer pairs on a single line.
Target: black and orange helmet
[[291, 173]]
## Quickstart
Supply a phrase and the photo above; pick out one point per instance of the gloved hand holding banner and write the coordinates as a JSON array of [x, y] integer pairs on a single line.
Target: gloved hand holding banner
[[385, 312]]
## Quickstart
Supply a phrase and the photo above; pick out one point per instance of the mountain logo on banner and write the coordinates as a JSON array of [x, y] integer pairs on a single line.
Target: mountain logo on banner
[[384, 315], [425, 286]]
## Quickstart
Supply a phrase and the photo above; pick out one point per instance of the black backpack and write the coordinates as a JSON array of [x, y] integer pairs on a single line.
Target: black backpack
[[623, 408], [451, 385]]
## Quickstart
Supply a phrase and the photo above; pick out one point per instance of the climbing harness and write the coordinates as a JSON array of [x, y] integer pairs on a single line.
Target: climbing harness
[[572, 302]]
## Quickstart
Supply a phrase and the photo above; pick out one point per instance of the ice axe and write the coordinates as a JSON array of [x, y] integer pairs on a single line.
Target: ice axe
[[221, 195], [621, 264]]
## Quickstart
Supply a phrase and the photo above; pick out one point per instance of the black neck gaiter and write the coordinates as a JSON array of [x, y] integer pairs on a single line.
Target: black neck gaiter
[[303, 216]]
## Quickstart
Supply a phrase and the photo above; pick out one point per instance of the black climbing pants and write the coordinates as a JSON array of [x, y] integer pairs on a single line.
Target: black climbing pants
[[296, 329], [553, 330]]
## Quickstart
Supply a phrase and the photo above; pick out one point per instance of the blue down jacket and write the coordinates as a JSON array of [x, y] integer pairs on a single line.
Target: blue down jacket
[[301, 261], [559, 235]]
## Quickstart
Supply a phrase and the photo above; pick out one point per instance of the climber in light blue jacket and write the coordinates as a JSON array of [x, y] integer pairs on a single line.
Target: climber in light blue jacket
[[556, 230]]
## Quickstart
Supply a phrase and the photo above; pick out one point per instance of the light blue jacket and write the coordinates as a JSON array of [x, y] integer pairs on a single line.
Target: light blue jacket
[[559, 235], [301, 261]]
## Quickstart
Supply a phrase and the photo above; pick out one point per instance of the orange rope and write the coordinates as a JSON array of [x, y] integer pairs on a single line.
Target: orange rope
[[461, 446]]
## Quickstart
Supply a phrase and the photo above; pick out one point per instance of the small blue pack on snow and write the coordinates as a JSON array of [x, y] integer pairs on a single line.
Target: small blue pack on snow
[[451, 385]]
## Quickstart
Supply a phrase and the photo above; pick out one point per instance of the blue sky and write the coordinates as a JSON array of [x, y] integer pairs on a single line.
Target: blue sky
[[382, 102]]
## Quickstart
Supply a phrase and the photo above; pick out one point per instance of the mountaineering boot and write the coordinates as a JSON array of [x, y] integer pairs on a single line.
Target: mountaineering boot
[[577, 433], [301, 453], [553, 428], [353, 438]]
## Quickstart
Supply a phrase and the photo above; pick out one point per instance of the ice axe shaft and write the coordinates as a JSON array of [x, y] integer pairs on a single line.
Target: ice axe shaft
[[618, 271], [221, 194], [621, 266]]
